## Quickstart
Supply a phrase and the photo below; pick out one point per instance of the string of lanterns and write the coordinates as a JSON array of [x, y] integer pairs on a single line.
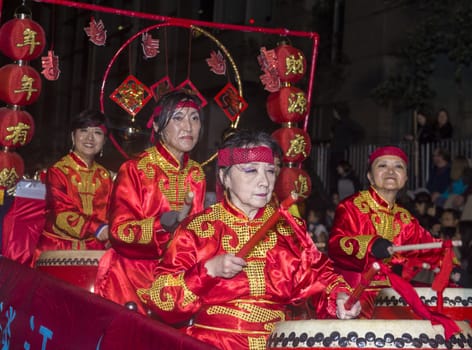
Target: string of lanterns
[[22, 40], [287, 105]]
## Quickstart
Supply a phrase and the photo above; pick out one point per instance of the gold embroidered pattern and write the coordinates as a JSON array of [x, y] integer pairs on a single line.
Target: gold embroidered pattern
[[382, 217], [127, 232], [83, 179], [202, 225], [176, 182], [167, 302], [335, 284], [259, 343], [347, 244], [255, 274], [250, 313], [69, 222]]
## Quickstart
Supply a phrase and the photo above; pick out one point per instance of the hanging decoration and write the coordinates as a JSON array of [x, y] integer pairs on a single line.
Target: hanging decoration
[[22, 40], [16, 127], [132, 95], [231, 102], [161, 87], [150, 46], [188, 85], [96, 32], [20, 84], [50, 64], [217, 63], [287, 105]]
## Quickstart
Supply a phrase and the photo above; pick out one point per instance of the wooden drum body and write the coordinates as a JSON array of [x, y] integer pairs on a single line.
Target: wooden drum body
[[77, 267], [366, 334], [457, 304]]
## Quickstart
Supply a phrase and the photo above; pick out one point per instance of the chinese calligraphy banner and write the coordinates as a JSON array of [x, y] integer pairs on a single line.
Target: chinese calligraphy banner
[[40, 312]]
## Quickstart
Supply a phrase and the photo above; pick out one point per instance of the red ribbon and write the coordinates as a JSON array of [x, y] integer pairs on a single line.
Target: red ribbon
[[442, 278], [411, 297]]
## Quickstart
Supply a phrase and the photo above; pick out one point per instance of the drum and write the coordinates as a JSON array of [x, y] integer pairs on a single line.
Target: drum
[[457, 304], [366, 334], [77, 267]]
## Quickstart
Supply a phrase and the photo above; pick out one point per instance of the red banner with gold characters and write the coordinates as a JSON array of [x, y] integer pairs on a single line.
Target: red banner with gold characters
[[40, 312]]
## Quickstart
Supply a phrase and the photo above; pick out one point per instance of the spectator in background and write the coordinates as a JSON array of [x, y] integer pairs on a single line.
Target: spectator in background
[[442, 127], [439, 178], [423, 132], [453, 196], [316, 228], [345, 133], [348, 182], [422, 202]]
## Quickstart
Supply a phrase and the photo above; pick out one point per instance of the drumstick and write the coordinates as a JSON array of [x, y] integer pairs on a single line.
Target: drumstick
[[364, 283], [262, 231], [420, 246], [186, 207]]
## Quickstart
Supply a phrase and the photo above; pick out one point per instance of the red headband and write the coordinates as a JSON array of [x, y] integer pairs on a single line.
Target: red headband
[[231, 156], [388, 151], [181, 104], [103, 128]]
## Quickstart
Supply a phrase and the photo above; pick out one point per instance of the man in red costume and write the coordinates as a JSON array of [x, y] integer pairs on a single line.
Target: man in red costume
[[235, 301], [368, 223], [151, 195]]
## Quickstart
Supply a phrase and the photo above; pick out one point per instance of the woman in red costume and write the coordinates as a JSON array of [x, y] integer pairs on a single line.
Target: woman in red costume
[[151, 195], [368, 223], [234, 302], [77, 191]]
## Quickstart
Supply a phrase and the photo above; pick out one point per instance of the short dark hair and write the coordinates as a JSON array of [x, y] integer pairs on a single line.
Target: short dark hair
[[87, 118]]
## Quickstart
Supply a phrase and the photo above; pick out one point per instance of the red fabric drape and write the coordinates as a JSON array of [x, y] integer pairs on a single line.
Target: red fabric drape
[[22, 227], [409, 294]]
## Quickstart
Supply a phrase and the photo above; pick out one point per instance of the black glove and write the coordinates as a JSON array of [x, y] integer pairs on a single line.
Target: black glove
[[380, 248], [397, 269]]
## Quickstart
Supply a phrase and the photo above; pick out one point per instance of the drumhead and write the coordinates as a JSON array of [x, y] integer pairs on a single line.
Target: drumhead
[[371, 334]]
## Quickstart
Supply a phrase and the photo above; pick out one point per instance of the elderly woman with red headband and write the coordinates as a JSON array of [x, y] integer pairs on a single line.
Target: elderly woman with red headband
[[368, 223], [234, 301], [151, 195], [77, 191]]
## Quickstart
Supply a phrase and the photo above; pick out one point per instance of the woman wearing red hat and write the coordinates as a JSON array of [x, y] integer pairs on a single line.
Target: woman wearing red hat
[[368, 223], [151, 195]]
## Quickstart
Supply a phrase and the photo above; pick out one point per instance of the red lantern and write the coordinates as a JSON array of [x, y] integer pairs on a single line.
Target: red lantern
[[16, 127], [22, 39], [289, 104], [295, 143], [19, 84], [291, 63], [12, 169], [292, 180]]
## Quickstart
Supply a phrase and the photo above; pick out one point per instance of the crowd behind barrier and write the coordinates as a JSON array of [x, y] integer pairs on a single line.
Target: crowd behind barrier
[[420, 156]]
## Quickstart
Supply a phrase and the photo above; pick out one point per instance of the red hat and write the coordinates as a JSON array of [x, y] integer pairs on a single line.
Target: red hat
[[388, 151]]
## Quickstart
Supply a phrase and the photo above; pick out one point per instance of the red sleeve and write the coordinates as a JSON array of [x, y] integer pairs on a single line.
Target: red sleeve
[[351, 238], [134, 208]]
